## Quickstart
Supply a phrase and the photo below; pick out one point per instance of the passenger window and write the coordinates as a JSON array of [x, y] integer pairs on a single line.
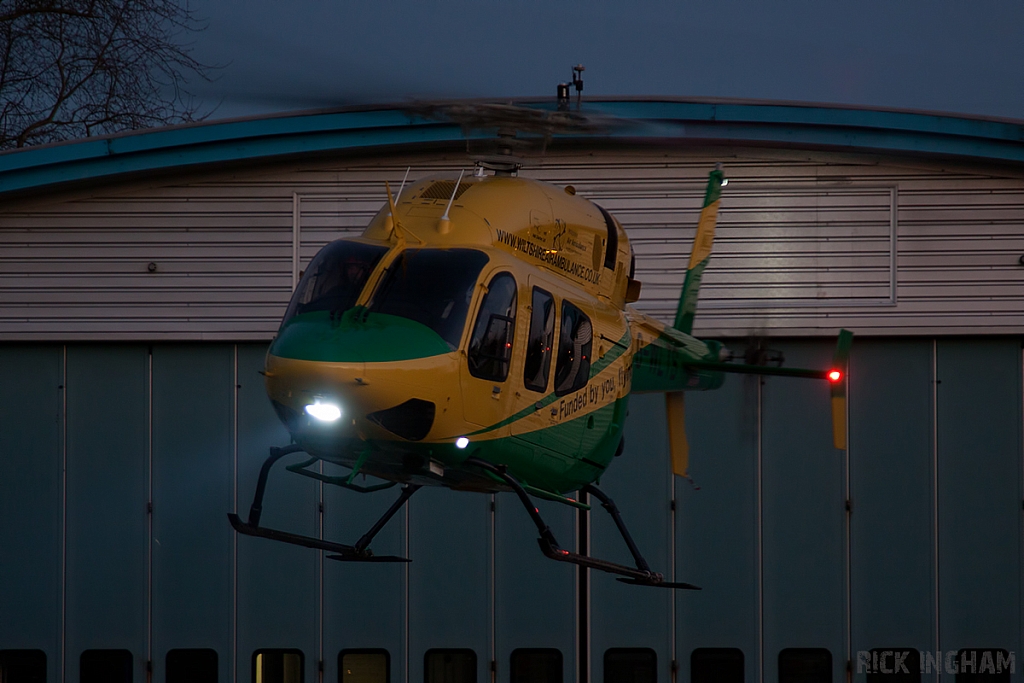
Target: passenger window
[[192, 666], [490, 347], [278, 666], [630, 665], [536, 665], [716, 665], [105, 666], [575, 341], [449, 666], [22, 666], [805, 665], [364, 666], [542, 336]]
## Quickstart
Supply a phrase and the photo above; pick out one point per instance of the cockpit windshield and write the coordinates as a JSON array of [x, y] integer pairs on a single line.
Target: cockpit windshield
[[335, 278], [432, 287]]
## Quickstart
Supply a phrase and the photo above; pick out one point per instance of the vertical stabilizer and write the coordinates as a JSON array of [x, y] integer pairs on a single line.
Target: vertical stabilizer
[[701, 253]]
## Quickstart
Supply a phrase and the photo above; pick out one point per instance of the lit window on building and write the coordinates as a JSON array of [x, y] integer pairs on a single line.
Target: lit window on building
[[364, 666], [278, 666]]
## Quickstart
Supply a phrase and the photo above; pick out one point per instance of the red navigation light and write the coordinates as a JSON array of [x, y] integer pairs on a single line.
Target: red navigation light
[[834, 376]]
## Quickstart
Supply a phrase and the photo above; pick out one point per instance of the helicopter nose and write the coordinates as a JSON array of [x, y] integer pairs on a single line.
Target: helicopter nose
[[358, 337], [371, 378]]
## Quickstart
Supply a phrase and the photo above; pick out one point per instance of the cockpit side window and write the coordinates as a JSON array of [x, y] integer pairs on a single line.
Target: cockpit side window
[[335, 278], [575, 342], [490, 347], [540, 341], [432, 287]]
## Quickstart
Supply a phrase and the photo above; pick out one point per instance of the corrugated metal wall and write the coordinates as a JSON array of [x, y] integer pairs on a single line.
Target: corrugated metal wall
[[807, 243], [929, 555]]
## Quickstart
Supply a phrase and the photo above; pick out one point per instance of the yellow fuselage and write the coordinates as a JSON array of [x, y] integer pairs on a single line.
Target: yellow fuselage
[[534, 375]]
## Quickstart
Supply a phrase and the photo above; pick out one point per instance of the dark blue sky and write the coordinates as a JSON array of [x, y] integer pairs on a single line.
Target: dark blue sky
[[965, 57]]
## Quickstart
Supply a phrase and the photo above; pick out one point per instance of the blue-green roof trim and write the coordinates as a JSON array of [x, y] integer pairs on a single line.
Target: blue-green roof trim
[[740, 123]]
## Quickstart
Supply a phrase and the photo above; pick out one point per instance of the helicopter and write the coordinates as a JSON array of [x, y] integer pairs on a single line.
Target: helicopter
[[479, 336]]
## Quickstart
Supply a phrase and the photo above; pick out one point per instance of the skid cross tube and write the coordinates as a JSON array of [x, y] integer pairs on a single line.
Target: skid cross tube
[[360, 552], [641, 576], [608, 504], [406, 494]]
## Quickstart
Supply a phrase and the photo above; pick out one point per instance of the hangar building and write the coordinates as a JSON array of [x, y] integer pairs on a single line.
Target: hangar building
[[143, 275]]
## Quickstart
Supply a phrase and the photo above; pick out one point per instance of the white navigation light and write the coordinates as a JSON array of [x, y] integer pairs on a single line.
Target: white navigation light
[[325, 412], [461, 442]]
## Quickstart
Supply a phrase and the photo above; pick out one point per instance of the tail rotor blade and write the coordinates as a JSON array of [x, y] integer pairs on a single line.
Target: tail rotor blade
[[679, 447], [700, 253]]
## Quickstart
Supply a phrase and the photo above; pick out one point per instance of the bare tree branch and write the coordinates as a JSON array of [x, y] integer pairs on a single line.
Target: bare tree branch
[[76, 68]]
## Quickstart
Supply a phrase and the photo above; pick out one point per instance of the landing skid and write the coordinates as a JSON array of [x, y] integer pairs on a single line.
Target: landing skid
[[641, 575], [360, 552]]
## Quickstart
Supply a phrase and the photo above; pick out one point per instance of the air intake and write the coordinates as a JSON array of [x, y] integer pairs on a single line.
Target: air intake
[[442, 189], [411, 420]]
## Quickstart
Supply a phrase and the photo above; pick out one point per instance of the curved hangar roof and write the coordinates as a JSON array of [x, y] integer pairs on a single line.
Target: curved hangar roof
[[362, 129], [884, 222]]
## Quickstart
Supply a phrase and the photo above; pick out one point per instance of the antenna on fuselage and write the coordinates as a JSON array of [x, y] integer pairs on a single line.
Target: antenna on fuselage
[[398, 197], [396, 227], [444, 224]]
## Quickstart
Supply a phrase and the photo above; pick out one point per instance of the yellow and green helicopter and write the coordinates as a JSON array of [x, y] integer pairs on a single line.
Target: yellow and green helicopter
[[478, 336]]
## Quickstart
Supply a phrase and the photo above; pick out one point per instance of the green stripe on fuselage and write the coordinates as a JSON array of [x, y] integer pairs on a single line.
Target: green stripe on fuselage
[[595, 368], [348, 338]]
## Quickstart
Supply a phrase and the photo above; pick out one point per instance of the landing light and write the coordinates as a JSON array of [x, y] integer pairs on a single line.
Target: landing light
[[834, 376], [325, 412], [461, 442]]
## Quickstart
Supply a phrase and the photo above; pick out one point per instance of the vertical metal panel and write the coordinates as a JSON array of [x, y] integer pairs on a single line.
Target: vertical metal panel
[[534, 599], [979, 432], [278, 583], [450, 576], [892, 572], [193, 404], [640, 482], [31, 500], [717, 526], [803, 516], [364, 603], [107, 492]]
